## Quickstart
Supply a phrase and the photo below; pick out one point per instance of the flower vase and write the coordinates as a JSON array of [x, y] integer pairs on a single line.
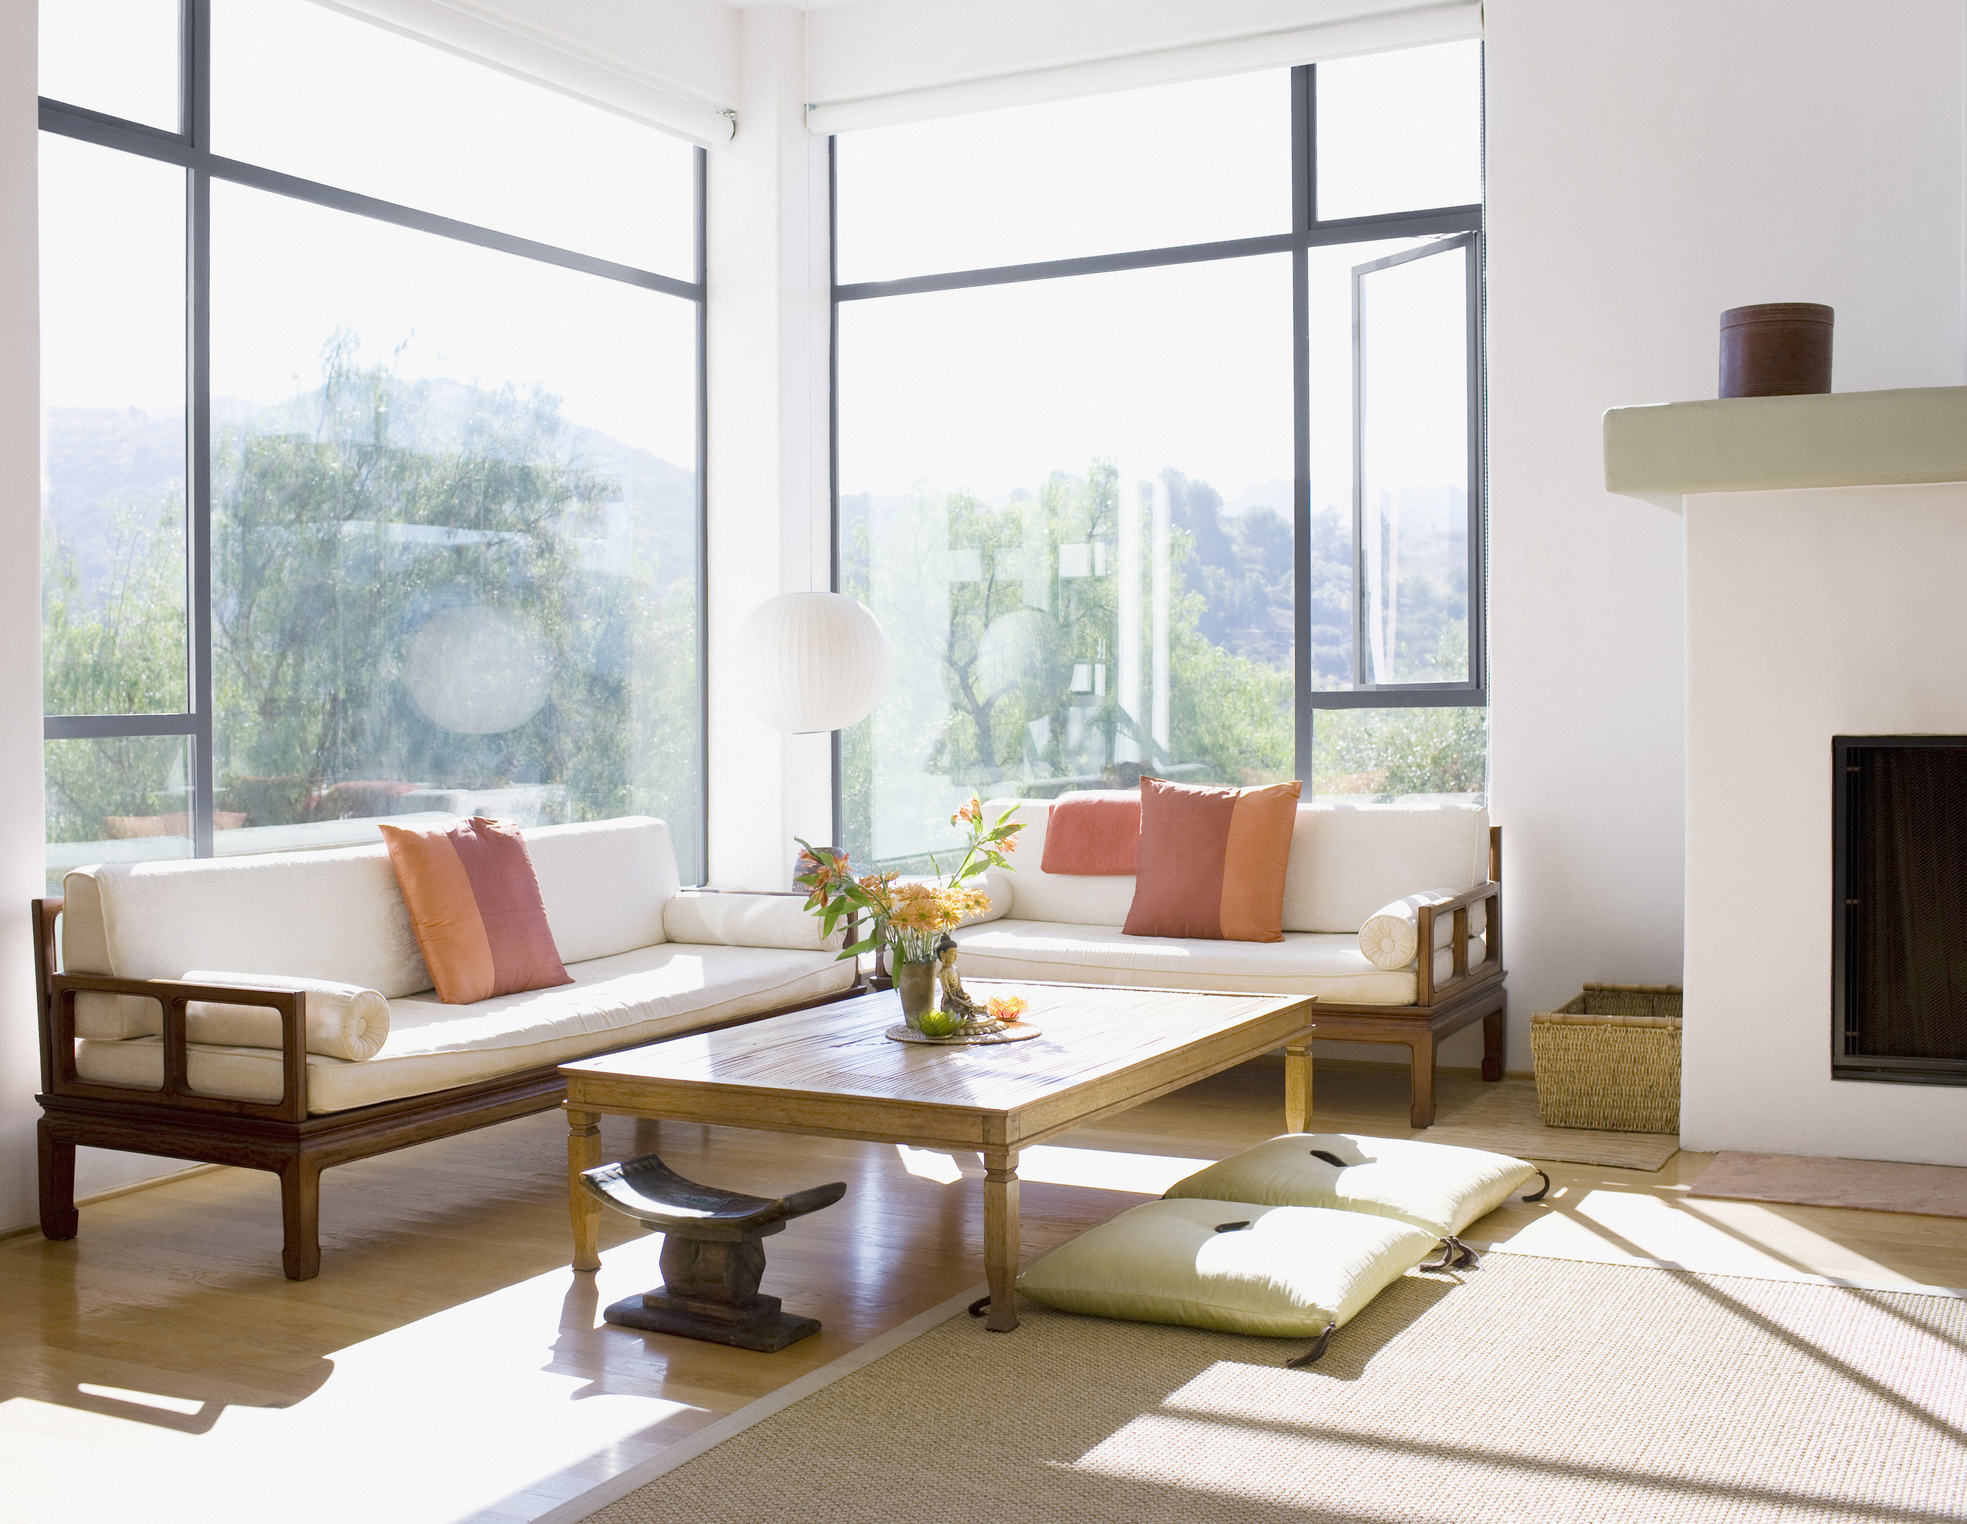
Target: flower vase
[[917, 983]]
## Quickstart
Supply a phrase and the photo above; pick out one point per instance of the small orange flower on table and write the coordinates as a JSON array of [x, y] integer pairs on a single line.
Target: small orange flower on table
[[1007, 1008]]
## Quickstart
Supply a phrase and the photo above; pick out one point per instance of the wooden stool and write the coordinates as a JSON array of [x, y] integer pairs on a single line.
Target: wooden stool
[[712, 1259]]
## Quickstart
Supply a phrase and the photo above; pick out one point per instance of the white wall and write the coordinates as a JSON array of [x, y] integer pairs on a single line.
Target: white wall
[[1650, 164], [20, 613], [1835, 611], [770, 514]]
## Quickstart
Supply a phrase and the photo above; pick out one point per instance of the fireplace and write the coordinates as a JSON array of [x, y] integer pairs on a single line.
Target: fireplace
[[1899, 938]]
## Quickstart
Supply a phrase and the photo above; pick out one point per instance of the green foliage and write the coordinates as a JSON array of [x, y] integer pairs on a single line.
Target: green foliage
[[1390, 752], [341, 524]]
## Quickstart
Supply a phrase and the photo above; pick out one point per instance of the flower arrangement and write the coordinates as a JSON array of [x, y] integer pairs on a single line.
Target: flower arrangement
[[907, 916]]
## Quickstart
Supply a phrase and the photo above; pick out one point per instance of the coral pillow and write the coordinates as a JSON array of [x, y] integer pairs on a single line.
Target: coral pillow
[[476, 908], [1211, 861], [1094, 833]]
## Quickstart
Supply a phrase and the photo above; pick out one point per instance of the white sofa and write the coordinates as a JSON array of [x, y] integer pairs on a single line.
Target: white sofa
[[1347, 862], [648, 960]]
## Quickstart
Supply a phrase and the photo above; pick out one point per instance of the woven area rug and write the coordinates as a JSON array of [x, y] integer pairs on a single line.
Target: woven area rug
[[1525, 1390], [1504, 1120], [1932, 1190]]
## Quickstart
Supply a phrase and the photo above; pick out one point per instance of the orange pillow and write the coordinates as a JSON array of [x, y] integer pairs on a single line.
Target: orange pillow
[[1211, 861], [1093, 833], [476, 908]]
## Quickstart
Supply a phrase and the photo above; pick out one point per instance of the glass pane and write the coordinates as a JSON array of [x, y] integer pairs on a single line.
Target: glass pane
[[303, 89], [454, 531], [116, 56], [1068, 502], [1399, 131], [1412, 754], [1190, 163], [1329, 331], [117, 801], [112, 390], [1413, 467]]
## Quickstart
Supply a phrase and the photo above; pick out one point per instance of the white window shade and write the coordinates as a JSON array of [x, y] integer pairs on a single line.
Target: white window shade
[[554, 61], [1381, 29]]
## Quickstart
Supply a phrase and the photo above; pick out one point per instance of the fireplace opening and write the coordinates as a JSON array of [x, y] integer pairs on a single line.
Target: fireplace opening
[[1899, 938]]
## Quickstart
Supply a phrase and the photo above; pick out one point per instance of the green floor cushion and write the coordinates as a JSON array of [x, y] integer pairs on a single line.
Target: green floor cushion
[[1431, 1185], [1286, 1272]]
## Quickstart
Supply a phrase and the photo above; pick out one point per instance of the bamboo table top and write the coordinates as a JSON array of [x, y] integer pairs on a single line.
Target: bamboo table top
[[830, 1070]]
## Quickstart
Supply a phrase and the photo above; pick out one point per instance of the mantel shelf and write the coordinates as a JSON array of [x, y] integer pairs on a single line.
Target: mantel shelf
[[1662, 453]]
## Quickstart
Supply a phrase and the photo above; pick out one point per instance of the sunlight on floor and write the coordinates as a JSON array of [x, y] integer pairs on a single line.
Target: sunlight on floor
[[1100, 1169], [429, 1422], [1721, 1237]]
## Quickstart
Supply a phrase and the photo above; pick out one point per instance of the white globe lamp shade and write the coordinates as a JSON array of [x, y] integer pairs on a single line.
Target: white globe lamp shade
[[812, 661]]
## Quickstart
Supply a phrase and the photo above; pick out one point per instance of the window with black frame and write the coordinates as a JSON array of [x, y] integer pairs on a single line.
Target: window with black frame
[[372, 390], [1159, 441]]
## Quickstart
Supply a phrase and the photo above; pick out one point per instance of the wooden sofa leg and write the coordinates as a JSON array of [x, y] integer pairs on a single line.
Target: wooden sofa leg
[[300, 1219], [1495, 1026], [1421, 1081], [59, 1219]]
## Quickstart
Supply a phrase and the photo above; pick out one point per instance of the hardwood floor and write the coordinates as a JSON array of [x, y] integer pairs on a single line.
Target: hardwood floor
[[448, 1366]]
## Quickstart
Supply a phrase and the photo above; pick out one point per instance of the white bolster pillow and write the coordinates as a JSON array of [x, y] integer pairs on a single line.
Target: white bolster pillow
[[343, 1020], [747, 920], [1392, 934]]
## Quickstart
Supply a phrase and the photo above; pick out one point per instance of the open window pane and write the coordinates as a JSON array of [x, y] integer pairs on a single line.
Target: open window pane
[[300, 88], [1411, 754], [1400, 131], [454, 530], [1411, 478], [1068, 502], [113, 431], [120, 800], [1176, 164], [120, 57]]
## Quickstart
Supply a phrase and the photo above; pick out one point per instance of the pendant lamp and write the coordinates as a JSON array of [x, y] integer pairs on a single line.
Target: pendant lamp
[[812, 661]]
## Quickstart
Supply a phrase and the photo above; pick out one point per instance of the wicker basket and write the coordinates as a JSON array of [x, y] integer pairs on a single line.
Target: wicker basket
[[1610, 1059]]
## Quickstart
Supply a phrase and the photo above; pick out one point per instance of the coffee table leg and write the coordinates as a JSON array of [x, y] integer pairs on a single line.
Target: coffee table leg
[[583, 1153], [1297, 1086], [1001, 1236]]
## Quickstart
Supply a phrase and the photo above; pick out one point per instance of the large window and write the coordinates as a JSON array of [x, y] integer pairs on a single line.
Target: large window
[[1160, 441], [372, 439]]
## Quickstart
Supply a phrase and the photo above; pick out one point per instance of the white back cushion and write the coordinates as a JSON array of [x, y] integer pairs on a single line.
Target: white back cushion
[[1348, 860], [1071, 898], [605, 883], [321, 915]]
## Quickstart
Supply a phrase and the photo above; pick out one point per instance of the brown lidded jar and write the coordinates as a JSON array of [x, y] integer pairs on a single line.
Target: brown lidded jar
[[1779, 349]]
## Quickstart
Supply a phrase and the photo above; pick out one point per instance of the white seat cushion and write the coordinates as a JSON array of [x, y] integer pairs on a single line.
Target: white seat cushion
[[615, 1002], [1304, 963], [1291, 1273], [1433, 1186]]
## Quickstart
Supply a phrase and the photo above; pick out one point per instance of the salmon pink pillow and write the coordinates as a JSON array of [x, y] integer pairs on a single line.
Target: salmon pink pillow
[[1211, 861], [476, 908]]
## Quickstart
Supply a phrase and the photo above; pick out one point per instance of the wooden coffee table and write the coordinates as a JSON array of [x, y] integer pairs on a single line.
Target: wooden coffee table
[[830, 1071]]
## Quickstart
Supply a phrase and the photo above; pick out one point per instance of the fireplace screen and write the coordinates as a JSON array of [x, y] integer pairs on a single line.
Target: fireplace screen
[[1899, 945]]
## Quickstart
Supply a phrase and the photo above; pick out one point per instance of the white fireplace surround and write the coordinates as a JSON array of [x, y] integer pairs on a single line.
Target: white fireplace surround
[[1825, 548]]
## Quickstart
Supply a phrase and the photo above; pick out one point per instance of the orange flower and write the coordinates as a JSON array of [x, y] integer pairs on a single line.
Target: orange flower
[[1007, 1007]]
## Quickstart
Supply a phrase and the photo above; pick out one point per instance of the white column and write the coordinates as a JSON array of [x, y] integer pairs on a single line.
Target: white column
[[20, 612], [1127, 638], [768, 476], [1163, 528]]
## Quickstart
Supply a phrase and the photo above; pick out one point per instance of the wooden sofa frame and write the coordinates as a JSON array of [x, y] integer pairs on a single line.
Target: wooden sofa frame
[[1467, 996], [176, 1122]]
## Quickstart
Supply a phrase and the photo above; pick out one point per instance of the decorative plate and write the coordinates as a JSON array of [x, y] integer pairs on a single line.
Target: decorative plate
[[998, 1032]]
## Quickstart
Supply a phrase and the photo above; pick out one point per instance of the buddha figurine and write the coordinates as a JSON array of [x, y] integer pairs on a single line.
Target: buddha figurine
[[956, 1001]]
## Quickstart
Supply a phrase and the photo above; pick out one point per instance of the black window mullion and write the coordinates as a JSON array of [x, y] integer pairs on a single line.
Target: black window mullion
[[198, 418], [1304, 191]]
